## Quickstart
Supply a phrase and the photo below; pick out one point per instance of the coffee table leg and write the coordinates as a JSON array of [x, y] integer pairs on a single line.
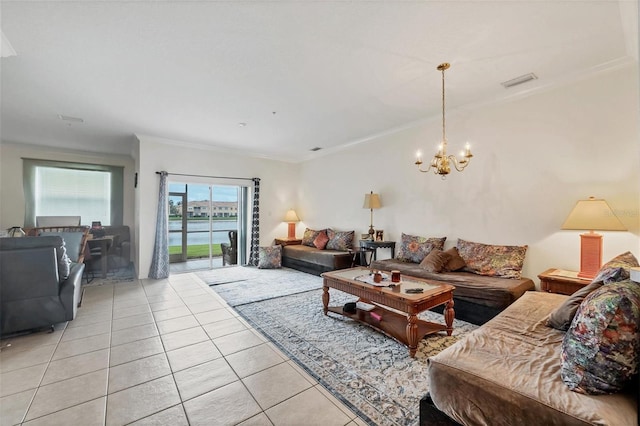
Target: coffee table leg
[[325, 299], [449, 314], [412, 334]]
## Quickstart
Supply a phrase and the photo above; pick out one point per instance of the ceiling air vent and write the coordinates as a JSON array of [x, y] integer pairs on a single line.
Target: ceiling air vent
[[519, 80], [317, 148], [70, 118]]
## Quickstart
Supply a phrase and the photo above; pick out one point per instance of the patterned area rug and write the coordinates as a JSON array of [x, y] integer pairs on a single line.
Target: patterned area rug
[[239, 285], [371, 373]]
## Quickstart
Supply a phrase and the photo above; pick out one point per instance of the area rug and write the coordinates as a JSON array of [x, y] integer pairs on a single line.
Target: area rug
[[239, 285], [114, 276], [368, 371]]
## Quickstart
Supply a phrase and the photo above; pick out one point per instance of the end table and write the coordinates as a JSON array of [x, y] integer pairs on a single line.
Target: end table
[[379, 244], [288, 241], [560, 284]]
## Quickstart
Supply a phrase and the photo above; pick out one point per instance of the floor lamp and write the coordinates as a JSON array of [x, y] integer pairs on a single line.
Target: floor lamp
[[592, 215]]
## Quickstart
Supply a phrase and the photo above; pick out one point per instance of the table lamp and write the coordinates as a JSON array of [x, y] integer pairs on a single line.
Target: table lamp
[[292, 218], [592, 215], [371, 202]]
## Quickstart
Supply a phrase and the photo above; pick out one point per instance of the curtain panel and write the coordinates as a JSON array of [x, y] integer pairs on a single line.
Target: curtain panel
[[255, 224], [160, 260]]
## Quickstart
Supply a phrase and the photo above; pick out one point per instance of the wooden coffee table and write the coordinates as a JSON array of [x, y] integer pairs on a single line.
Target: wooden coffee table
[[395, 312]]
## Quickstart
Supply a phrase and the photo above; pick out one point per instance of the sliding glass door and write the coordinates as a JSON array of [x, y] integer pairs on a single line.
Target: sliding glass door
[[201, 218]]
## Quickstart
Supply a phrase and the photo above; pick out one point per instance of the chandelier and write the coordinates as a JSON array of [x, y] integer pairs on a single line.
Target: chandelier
[[441, 162]]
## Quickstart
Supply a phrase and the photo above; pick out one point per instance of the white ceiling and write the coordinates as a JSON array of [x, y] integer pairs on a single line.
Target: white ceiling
[[300, 74]]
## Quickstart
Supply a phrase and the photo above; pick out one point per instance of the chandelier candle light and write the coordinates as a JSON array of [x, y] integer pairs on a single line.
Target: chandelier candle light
[[441, 162]]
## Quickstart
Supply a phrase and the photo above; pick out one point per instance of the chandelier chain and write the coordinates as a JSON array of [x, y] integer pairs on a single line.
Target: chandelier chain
[[444, 137]]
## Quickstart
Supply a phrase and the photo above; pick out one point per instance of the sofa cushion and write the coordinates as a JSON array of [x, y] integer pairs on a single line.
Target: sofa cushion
[[321, 240], [455, 262], [435, 261], [341, 241], [414, 248], [324, 259], [562, 316], [270, 257], [617, 269], [600, 349], [492, 260], [309, 237]]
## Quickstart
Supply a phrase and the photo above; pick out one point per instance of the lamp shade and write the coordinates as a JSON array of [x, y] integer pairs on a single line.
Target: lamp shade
[[291, 216], [371, 201], [593, 215]]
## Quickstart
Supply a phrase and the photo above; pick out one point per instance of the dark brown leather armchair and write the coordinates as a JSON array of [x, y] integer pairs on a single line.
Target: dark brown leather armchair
[[230, 250]]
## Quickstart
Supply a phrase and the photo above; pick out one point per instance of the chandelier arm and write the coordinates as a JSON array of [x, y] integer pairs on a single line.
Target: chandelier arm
[[460, 166], [425, 170]]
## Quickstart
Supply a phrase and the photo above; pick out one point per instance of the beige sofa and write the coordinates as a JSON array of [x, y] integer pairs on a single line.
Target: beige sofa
[[508, 372]]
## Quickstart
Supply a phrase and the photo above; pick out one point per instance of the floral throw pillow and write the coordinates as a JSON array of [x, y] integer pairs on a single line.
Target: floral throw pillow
[[270, 257], [492, 260], [341, 241], [310, 236], [414, 248], [600, 350], [617, 269]]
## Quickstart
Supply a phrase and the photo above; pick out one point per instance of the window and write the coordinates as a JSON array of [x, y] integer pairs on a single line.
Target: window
[[55, 188]]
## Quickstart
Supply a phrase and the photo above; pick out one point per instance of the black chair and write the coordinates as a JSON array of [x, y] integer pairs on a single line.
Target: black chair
[[230, 250]]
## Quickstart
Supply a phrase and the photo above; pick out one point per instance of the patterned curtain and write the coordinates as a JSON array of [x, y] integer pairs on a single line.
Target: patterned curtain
[[255, 223], [160, 261]]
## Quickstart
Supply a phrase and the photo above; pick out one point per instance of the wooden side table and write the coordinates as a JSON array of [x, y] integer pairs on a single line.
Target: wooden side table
[[559, 284], [379, 244], [288, 241]]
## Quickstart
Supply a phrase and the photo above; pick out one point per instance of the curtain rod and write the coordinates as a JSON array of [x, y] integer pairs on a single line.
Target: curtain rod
[[205, 176]]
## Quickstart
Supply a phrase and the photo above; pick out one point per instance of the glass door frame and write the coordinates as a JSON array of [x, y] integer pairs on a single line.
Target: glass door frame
[[180, 257]]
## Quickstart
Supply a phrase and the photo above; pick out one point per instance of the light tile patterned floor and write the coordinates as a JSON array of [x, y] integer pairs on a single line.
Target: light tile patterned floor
[[161, 352]]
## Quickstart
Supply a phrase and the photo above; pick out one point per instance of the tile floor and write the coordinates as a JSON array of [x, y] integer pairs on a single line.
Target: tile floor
[[158, 352]]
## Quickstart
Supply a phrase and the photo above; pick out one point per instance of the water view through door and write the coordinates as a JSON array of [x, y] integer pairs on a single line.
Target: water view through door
[[200, 219]]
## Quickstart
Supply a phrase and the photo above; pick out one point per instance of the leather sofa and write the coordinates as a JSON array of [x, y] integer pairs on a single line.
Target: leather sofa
[[315, 261], [39, 286]]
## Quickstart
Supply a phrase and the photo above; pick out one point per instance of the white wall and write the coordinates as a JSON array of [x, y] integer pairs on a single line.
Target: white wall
[[278, 184], [534, 158], [12, 205]]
